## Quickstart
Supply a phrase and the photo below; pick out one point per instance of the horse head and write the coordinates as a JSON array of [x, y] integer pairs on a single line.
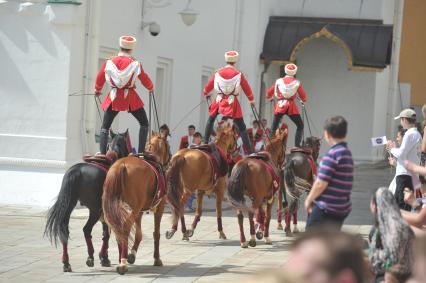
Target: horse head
[[120, 144], [277, 146], [227, 140], [160, 147], [315, 144]]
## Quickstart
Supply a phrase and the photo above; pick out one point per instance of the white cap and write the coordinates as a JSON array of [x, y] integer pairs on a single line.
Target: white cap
[[290, 69], [231, 56], [406, 113], [127, 41]]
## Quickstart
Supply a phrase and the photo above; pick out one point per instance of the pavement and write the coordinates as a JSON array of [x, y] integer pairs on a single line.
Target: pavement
[[25, 256]]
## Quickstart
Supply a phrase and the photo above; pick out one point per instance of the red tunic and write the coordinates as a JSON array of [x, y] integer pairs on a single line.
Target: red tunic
[[132, 102], [232, 110], [290, 105]]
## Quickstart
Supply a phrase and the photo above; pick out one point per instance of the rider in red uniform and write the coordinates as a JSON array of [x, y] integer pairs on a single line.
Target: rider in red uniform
[[120, 72], [227, 82], [285, 91]]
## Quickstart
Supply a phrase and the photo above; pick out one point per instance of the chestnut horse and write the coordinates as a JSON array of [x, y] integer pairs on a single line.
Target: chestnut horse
[[131, 188], [190, 170], [299, 178], [250, 177], [84, 182]]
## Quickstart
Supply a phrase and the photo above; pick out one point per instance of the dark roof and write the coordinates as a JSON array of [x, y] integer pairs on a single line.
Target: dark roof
[[368, 43]]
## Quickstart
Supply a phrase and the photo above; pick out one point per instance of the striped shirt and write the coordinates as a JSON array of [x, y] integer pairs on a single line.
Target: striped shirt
[[336, 168]]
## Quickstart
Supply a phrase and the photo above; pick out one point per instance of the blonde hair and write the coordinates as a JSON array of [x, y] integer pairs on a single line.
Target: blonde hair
[[424, 111]]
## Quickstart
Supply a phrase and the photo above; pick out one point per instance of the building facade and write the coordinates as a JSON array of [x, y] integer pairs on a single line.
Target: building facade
[[52, 51]]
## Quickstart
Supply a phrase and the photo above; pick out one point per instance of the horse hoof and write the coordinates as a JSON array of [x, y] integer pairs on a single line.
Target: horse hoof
[[280, 226], [185, 237], [295, 230], [288, 232], [67, 267], [222, 235], [158, 262], [131, 258], [268, 241], [90, 262], [105, 262], [244, 245], [190, 233], [259, 235], [252, 243], [122, 269], [169, 234]]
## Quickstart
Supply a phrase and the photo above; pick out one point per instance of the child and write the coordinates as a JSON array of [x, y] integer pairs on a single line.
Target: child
[[329, 198]]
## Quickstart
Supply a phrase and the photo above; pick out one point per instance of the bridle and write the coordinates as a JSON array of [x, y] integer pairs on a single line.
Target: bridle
[[151, 148]]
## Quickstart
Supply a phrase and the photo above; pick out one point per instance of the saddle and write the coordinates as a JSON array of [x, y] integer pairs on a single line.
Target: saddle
[[216, 157], [153, 161], [305, 150], [261, 155], [101, 161]]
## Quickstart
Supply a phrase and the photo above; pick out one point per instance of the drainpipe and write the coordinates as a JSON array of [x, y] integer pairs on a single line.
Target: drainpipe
[[395, 107]]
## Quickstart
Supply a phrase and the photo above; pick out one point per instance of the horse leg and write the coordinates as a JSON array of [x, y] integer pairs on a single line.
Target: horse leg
[[123, 243], [87, 230], [260, 223], [138, 238], [287, 217], [65, 257], [295, 229], [267, 222], [103, 254], [243, 242], [198, 212], [185, 236], [252, 242], [219, 200], [158, 214], [280, 211]]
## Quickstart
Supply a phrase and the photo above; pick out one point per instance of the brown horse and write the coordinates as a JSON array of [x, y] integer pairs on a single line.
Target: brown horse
[[298, 178], [251, 177], [190, 170], [131, 187]]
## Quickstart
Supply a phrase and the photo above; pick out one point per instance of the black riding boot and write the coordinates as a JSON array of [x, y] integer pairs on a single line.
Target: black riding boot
[[298, 137], [103, 140], [246, 141], [275, 124], [143, 135], [209, 129]]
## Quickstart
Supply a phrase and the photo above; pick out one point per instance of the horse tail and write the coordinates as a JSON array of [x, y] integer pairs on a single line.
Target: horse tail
[[174, 194], [294, 186], [58, 216], [236, 185], [115, 213]]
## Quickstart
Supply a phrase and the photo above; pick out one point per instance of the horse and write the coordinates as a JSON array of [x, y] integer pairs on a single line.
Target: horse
[[84, 182], [135, 184], [299, 177], [255, 178], [191, 169]]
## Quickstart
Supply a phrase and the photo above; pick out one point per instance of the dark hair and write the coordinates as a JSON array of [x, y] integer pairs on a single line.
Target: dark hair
[[231, 63], [191, 127], [344, 251], [336, 127], [125, 50], [198, 134], [165, 127], [401, 130]]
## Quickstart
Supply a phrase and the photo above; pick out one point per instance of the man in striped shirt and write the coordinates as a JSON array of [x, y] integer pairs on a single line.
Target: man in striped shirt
[[329, 199]]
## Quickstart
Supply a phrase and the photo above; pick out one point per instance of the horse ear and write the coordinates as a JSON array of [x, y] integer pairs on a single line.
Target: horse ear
[[127, 132], [112, 134]]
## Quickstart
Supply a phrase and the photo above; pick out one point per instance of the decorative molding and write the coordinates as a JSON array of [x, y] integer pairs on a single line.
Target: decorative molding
[[33, 163]]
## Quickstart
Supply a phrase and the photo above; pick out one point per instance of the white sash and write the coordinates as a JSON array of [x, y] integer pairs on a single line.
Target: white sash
[[227, 87], [119, 79], [285, 91]]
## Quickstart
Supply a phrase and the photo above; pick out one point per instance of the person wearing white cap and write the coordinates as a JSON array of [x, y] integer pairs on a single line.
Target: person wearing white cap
[[120, 73], [285, 91], [227, 82], [407, 151]]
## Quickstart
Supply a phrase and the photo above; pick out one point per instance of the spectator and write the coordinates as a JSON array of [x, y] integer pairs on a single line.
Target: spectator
[[165, 132], [423, 149], [265, 125], [392, 160], [407, 150], [391, 238], [197, 140], [329, 198], [185, 141], [419, 270], [325, 255]]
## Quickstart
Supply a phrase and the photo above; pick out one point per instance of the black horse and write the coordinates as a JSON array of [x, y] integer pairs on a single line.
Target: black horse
[[84, 182]]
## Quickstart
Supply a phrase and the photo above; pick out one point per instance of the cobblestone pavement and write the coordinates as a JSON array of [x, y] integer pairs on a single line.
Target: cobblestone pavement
[[25, 256]]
